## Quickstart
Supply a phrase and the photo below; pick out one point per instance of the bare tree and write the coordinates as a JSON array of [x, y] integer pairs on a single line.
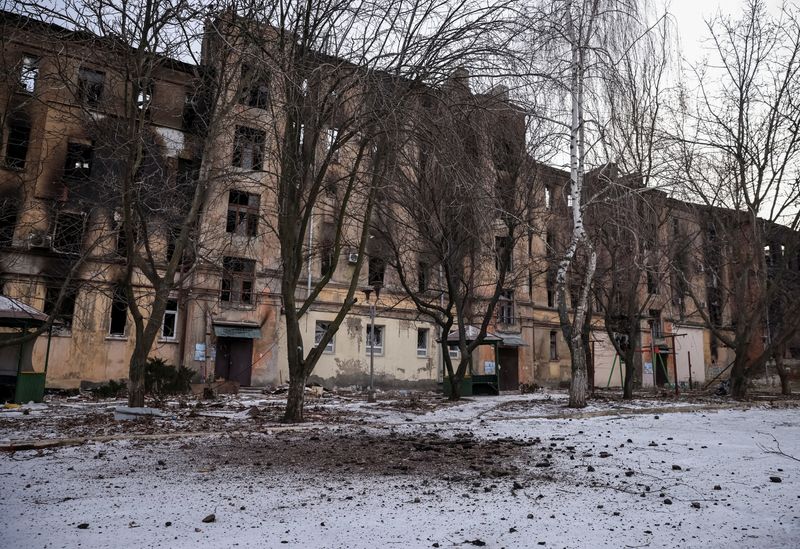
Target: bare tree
[[342, 71], [581, 37], [452, 220], [739, 148]]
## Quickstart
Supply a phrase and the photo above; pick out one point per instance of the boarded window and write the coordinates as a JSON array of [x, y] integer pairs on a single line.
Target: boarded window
[[553, 345], [90, 86], [248, 148], [242, 213], [238, 280], [119, 313]]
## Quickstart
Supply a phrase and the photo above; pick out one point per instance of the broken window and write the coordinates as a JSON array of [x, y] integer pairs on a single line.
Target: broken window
[[423, 276], [553, 345], [551, 289], [238, 280], [652, 282], [505, 311], [119, 313], [422, 342], [375, 342], [331, 134], [90, 86], [9, 210], [242, 213], [326, 263], [68, 232], [144, 97], [64, 312], [248, 148], [657, 328], [19, 132], [78, 164], [169, 324], [190, 118], [320, 329], [29, 72], [504, 253], [255, 90], [550, 241], [377, 269]]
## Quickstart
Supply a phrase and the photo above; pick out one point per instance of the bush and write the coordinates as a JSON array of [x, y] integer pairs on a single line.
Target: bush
[[112, 389], [162, 378]]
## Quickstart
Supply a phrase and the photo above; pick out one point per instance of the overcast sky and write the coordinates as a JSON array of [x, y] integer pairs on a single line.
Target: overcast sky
[[690, 18]]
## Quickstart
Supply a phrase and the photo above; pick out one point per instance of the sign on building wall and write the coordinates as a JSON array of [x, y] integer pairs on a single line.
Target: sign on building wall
[[200, 351]]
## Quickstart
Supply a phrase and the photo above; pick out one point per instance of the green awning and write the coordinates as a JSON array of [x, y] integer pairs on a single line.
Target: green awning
[[246, 331]]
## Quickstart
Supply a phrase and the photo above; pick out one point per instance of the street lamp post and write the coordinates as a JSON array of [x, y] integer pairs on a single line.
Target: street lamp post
[[371, 340]]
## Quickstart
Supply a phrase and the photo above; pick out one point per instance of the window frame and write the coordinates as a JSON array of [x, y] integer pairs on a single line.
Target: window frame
[[70, 299], [236, 278], [320, 327], [245, 215], [91, 86], [553, 346], [380, 329], [249, 143], [175, 313], [29, 72], [506, 313], [422, 352], [119, 303]]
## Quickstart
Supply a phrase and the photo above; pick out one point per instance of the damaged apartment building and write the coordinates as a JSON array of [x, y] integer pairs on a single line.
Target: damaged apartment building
[[62, 93]]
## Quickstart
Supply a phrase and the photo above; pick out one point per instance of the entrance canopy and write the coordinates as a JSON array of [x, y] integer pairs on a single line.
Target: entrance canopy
[[244, 330], [15, 314], [472, 334]]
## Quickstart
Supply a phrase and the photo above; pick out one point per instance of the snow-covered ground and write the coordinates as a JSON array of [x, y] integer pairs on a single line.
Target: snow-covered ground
[[504, 472]]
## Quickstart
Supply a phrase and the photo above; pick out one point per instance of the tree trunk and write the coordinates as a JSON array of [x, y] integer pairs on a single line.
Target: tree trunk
[[295, 398], [455, 387], [577, 387], [783, 374], [136, 372], [739, 377], [627, 388]]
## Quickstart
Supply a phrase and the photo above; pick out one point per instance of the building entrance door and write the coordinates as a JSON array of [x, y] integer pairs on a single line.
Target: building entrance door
[[234, 359], [509, 368]]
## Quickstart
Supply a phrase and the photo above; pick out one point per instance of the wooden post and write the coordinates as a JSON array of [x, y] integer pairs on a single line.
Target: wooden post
[[689, 355]]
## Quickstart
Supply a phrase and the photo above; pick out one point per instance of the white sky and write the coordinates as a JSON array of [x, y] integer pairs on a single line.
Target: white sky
[[690, 16]]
